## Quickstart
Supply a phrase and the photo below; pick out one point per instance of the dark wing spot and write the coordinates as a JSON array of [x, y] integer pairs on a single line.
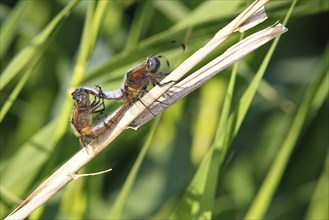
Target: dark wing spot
[[183, 46]]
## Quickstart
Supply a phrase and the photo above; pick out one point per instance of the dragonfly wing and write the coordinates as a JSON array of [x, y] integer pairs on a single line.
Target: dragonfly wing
[[169, 58]]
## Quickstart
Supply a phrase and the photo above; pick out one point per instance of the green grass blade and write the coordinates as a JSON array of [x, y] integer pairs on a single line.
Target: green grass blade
[[74, 201], [206, 122], [89, 36], [24, 166], [318, 208], [198, 199], [118, 207], [245, 101], [12, 97], [97, 20], [222, 126], [209, 11], [85, 47], [238, 116], [9, 26], [173, 10], [140, 24], [35, 48], [90, 31], [266, 192]]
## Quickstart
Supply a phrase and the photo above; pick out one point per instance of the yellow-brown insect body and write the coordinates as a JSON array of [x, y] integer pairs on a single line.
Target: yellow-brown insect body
[[81, 113], [82, 122], [81, 116], [138, 79]]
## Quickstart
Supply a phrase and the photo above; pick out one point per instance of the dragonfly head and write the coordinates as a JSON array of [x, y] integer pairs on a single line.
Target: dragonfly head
[[153, 64], [81, 97]]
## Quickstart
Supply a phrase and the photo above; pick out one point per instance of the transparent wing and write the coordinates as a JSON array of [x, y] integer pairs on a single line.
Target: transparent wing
[[170, 57]]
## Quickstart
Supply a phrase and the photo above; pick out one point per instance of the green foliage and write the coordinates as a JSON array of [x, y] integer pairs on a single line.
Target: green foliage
[[251, 143]]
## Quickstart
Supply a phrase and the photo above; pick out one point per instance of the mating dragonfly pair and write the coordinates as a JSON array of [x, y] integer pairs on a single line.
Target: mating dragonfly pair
[[136, 82]]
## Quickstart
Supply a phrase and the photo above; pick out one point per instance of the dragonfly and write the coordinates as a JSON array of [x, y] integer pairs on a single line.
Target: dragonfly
[[137, 80], [82, 122], [148, 73]]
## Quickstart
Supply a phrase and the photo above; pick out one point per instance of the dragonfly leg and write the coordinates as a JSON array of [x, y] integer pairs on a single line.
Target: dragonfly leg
[[95, 107], [154, 81], [98, 101], [147, 107]]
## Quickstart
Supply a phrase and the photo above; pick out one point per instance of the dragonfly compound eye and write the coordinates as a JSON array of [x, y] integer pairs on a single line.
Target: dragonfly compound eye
[[153, 64], [81, 97], [76, 93]]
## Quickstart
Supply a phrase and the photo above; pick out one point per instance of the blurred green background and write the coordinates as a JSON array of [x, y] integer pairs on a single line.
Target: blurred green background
[[46, 53]]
